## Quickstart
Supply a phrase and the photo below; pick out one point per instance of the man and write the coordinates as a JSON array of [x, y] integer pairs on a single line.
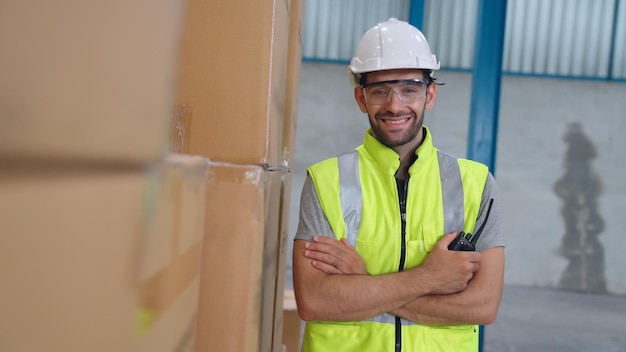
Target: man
[[372, 268]]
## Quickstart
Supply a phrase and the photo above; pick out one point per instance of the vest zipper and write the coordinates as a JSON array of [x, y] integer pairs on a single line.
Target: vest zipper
[[403, 186]]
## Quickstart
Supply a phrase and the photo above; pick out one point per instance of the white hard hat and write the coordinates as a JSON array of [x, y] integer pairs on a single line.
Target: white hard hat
[[390, 45]]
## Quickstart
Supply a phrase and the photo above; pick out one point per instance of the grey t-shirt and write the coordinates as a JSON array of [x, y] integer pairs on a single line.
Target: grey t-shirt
[[313, 222]]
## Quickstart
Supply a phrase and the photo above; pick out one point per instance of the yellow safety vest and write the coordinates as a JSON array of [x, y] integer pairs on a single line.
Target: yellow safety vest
[[358, 194]]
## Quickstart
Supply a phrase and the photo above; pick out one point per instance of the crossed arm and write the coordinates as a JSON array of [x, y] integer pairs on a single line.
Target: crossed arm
[[448, 288]]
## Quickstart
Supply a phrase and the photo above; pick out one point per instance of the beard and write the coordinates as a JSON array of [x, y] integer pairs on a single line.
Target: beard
[[399, 138]]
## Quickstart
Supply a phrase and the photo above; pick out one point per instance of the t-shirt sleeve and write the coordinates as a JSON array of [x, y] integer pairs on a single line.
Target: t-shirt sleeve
[[491, 235], [312, 221]]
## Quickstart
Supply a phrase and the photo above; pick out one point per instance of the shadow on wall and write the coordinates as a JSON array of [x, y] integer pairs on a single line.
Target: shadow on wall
[[579, 188]]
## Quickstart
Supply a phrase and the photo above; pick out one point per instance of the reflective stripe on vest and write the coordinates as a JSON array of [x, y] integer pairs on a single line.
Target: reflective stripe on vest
[[351, 196]]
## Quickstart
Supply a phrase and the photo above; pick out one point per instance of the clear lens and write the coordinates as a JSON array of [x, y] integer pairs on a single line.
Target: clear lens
[[408, 90]]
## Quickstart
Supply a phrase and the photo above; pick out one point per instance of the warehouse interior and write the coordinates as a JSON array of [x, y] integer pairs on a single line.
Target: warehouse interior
[[540, 311], [152, 155], [558, 120]]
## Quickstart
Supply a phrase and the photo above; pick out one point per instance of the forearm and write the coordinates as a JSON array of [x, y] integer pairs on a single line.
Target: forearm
[[350, 297], [322, 296], [331, 282], [455, 309], [477, 304]]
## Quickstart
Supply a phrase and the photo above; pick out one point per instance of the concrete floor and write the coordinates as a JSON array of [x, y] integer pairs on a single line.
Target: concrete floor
[[536, 319], [556, 298]]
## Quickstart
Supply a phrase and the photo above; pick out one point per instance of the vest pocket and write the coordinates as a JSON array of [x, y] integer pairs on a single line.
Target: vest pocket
[[454, 337], [368, 250], [363, 336], [419, 247], [430, 236], [416, 253], [331, 336]]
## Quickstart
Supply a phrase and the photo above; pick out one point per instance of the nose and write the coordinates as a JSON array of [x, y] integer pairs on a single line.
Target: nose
[[394, 101]]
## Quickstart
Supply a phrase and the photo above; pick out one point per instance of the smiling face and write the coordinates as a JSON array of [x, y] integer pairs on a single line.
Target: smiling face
[[395, 123]]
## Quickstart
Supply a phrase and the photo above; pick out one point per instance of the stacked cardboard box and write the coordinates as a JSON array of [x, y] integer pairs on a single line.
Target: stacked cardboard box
[[239, 72], [101, 260], [292, 325], [86, 81], [101, 231], [294, 60], [109, 243]]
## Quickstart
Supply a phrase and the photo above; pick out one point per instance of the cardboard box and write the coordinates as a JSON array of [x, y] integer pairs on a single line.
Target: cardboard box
[[85, 266], [273, 277], [292, 325], [232, 76], [232, 259], [170, 257], [242, 272], [281, 259], [294, 63], [88, 81]]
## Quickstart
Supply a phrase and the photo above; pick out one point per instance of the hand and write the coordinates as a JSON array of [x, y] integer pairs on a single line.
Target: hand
[[334, 257], [449, 271]]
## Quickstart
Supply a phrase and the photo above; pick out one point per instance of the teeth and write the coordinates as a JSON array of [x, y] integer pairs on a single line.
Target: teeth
[[396, 122]]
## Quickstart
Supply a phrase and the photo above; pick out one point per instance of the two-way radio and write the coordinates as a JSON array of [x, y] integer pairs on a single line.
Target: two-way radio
[[467, 241]]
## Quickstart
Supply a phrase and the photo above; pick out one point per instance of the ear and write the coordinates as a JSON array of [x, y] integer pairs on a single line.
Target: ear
[[431, 95], [359, 96]]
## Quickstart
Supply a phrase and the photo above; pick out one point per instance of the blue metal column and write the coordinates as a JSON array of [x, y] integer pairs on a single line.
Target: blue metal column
[[486, 78], [616, 9], [416, 14]]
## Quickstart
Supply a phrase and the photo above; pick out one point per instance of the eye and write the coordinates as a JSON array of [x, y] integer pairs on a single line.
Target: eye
[[410, 90], [377, 91]]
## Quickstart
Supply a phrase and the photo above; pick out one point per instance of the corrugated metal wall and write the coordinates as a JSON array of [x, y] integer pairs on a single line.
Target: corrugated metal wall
[[570, 38], [559, 37], [450, 27], [332, 29]]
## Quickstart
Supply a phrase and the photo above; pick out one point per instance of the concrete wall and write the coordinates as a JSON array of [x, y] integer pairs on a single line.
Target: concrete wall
[[560, 167]]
